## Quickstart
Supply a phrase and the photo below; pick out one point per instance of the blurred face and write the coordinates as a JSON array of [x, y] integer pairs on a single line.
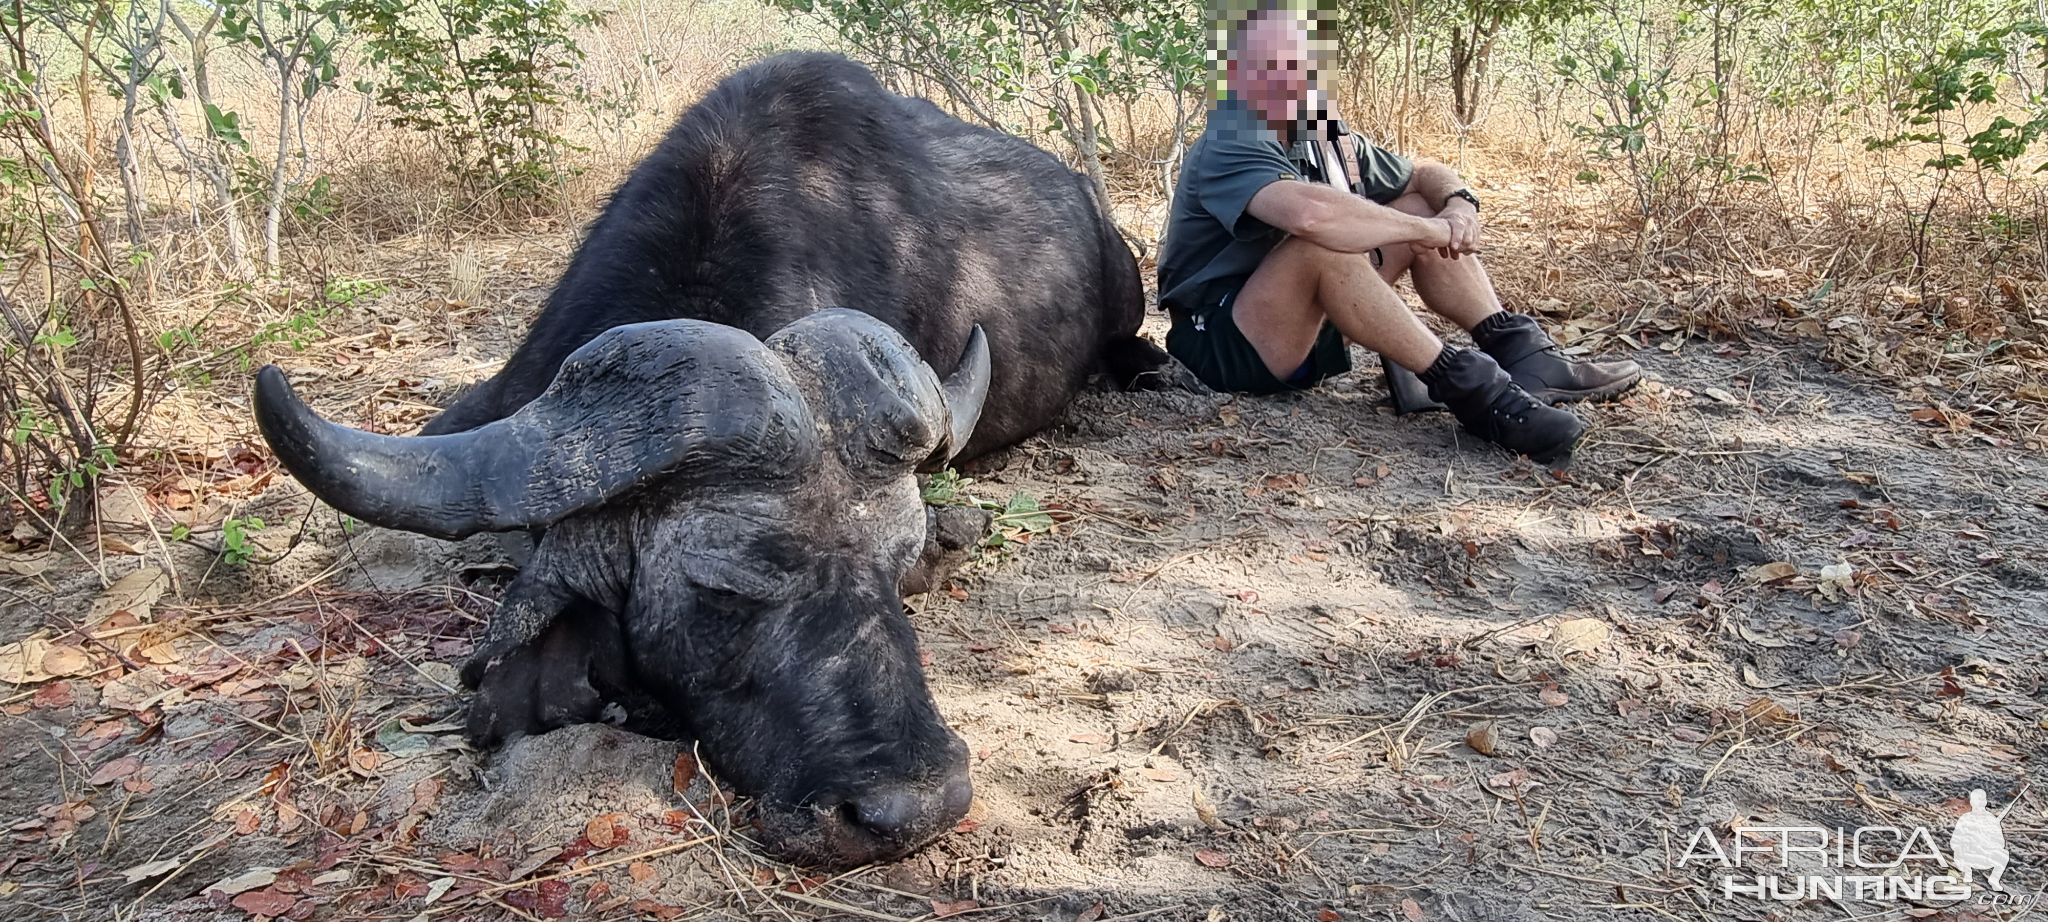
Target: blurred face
[[1271, 71]]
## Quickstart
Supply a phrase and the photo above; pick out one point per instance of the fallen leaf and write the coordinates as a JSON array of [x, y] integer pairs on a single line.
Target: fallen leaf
[[137, 690], [966, 825], [1484, 738], [1212, 858], [601, 832], [659, 911], [1327, 915], [1543, 737], [1205, 811], [1772, 572], [27, 564], [1412, 910], [66, 661], [1581, 634], [22, 662], [115, 771], [246, 881], [437, 889], [640, 871], [1753, 680], [54, 695], [269, 902], [142, 872], [1093, 739], [1760, 639], [1766, 711], [1158, 774], [1090, 914], [1511, 783], [134, 594], [942, 909], [1552, 697], [684, 773]]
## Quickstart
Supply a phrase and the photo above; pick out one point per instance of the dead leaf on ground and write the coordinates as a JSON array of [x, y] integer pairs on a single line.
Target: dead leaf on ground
[[116, 770], [246, 881], [1212, 858], [1508, 784], [942, 909], [269, 902], [1581, 635], [684, 773], [142, 872], [21, 662], [134, 594], [1766, 711], [1772, 572], [27, 564], [1412, 910], [603, 831], [1553, 697], [1484, 738], [1543, 737], [1751, 678]]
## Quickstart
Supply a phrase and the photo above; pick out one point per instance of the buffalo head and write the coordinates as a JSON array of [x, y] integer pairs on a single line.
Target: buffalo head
[[727, 521]]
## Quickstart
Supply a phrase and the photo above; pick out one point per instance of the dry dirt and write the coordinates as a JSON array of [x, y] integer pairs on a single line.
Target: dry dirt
[[1248, 675]]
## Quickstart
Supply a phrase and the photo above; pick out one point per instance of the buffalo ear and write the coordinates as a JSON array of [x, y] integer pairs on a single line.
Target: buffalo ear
[[966, 391]]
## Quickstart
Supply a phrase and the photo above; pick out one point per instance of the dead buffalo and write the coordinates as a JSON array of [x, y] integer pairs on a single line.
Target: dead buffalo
[[727, 520]]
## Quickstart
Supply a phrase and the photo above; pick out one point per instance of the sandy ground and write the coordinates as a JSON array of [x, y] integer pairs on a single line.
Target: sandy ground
[[1287, 658]]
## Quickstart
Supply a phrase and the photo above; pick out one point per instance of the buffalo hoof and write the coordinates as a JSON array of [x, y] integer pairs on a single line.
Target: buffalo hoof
[[550, 683], [1135, 364], [951, 533]]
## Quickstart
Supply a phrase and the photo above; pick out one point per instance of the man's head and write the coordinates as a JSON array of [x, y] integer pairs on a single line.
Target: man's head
[[1269, 61]]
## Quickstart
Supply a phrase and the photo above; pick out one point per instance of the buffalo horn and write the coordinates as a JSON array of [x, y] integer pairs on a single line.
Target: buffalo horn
[[650, 401]]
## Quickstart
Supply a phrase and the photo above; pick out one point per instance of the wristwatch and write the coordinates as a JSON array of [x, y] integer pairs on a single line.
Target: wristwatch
[[1465, 194]]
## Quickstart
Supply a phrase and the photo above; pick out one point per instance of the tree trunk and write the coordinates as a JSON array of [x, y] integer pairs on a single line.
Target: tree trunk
[[273, 210], [132, 191], [1091, 157]]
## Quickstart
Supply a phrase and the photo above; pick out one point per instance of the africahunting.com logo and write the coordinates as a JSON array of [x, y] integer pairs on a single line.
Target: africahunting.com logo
[[1866, 864]]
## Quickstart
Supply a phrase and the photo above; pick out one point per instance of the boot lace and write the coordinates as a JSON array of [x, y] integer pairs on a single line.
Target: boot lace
[[1515, 404]]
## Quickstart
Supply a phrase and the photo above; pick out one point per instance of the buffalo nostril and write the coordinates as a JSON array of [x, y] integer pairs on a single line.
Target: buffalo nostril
[[890, 814]]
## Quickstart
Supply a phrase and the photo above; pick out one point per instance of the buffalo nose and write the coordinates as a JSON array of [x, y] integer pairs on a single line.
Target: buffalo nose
[[907, 814], [891, 815]]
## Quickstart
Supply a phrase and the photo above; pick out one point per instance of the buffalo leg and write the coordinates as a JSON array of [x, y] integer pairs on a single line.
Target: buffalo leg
[[567, 566], [950, 534], [557, 680], [1135, 364]]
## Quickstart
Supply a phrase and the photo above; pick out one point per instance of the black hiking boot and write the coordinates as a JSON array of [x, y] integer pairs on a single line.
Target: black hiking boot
[[1409, 393], [1494, 408], [1532, 358]]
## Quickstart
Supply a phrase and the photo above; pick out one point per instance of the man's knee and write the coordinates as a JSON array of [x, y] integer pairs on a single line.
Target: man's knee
[[1413, 203]]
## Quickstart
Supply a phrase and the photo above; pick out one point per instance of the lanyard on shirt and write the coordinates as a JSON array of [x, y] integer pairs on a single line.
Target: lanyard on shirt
[[1337, 136]]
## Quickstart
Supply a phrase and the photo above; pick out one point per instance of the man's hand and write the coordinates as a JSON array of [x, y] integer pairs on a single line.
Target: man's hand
[[1461, 231]]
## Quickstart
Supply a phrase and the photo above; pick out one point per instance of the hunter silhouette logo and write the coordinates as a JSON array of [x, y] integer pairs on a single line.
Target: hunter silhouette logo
[[1978, 843], [1867, 864]]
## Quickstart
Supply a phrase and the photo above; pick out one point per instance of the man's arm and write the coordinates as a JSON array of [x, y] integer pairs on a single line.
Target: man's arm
[[1340, 221], [1435, 182]]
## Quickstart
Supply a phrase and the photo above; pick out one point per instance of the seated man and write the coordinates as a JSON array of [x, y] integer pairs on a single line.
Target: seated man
[[1271, 262]]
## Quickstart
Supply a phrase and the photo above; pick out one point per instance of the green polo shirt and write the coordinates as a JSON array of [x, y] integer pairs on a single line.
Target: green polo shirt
[[1211, 241]]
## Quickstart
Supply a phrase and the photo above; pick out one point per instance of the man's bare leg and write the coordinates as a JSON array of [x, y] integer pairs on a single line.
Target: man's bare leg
[[1458, 289], [1281, 308]]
